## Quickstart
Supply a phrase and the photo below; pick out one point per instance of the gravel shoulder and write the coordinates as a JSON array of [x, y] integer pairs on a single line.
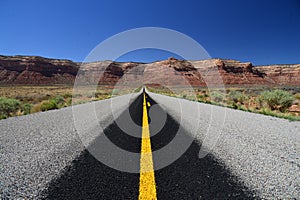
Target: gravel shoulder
[[263, 151], [34, 149]]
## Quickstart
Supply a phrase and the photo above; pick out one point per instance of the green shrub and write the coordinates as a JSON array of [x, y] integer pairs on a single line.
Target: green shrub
[[234, 105], [26, 108], [267, 111], [276, 100], [48, 105], [8, 107], [217, 96], [237, 97], [68, 101], [200, 98], [59, 100]]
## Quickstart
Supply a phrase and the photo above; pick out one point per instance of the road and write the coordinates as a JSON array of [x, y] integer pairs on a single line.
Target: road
[[43, 156]]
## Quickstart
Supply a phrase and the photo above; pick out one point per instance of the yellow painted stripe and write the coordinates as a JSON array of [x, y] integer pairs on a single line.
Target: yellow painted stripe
[[147, 189], [148, 104]]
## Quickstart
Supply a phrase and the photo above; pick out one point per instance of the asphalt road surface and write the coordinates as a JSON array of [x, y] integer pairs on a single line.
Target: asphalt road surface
[[43, 156]]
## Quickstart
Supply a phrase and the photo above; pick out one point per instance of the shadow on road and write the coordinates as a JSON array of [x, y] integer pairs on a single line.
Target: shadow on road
[[187, 178]]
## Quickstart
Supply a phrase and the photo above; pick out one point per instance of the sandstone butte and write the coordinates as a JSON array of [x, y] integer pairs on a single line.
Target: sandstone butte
[[35, 70]]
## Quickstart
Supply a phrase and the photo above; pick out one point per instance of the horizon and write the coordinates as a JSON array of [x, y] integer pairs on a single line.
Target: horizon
[[260, 32], [128, 61]]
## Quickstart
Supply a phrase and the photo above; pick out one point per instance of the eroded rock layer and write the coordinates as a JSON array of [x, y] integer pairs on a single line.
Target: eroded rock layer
[[35, 70]]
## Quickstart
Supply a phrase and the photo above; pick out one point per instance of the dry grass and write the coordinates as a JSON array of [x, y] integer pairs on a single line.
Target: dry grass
[[42, 98], [34, 94], [37, 94]]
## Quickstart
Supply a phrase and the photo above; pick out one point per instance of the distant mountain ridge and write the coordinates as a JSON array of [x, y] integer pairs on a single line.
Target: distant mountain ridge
[[36, 70]]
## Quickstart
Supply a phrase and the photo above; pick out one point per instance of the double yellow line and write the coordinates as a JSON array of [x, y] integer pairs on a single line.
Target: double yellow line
[[147, 190]]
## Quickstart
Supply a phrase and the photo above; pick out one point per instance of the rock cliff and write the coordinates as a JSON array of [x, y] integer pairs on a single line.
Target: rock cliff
[[35, 70]]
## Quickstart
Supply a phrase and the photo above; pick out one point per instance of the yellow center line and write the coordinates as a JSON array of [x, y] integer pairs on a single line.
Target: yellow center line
[[147, 190]]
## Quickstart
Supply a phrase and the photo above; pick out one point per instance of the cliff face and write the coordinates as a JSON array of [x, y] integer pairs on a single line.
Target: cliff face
[[36, 70], [42, 71], [282, 74]]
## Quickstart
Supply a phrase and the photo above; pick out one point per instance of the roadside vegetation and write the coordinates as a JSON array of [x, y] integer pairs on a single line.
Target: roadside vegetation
[[278, 102], [23, 100]]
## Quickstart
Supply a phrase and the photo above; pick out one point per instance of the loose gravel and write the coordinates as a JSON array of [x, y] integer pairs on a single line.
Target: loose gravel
[[34, 149], [263, 151]]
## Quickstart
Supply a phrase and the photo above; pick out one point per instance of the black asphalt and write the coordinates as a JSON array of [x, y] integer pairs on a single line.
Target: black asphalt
[[187, 178]]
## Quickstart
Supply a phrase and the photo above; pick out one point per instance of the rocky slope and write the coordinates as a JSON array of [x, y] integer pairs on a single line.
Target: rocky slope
[[36, 70], [43, 71]]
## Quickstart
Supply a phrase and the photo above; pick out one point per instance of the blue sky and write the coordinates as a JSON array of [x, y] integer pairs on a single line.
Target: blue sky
[[260, 31]]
